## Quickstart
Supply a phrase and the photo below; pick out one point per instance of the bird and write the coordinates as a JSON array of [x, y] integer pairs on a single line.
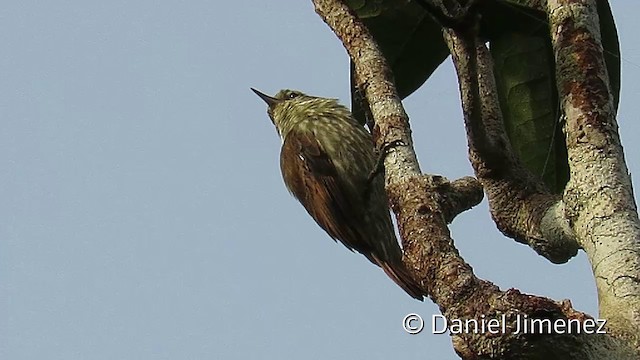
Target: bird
[[326, 161]]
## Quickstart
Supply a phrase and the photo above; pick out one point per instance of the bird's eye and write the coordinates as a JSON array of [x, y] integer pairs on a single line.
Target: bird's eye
[[292, 95]]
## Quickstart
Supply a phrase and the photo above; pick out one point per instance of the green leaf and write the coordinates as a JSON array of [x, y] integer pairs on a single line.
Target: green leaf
[[524, 71], [371, 8]]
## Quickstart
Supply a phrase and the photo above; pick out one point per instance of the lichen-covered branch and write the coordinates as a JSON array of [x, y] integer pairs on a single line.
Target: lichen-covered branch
[[520, 204], [413, 196], [429, 250], [598, 199], [500, 171]]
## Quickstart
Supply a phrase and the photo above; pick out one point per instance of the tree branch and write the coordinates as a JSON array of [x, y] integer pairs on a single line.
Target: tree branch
[[429, 251], [599, 197], [520, 203]]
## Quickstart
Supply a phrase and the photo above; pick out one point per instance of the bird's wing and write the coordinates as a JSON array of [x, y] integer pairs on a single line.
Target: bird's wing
[[311, 176]]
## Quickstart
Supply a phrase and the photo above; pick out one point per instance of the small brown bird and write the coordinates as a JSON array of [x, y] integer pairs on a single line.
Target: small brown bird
[[326, 159]]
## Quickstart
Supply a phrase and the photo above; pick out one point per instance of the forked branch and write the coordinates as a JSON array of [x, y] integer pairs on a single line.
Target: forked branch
[[429, 250]]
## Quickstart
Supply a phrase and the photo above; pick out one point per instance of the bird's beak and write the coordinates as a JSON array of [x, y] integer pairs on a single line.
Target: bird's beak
[[268, 99]]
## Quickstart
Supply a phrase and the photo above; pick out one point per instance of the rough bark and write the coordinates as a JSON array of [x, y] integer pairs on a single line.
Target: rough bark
[[500, 172], [599, 203], [423, 204], [429, 250], [520, 204]]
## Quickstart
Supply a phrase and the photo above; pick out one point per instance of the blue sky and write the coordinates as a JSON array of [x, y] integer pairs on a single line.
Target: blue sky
[[143, 214]]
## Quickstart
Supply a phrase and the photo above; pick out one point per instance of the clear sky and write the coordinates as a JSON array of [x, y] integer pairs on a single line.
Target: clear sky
[[143, 215]]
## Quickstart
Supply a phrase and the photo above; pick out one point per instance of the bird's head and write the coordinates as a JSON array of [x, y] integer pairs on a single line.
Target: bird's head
[[289, 108]]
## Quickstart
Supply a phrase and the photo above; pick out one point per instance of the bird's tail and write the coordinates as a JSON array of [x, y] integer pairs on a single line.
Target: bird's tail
[[401, 276]]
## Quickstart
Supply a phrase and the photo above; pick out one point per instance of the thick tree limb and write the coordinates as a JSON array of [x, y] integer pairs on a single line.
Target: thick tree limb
[[500, 171], [520, 203], [599, 201], [429, 251]]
